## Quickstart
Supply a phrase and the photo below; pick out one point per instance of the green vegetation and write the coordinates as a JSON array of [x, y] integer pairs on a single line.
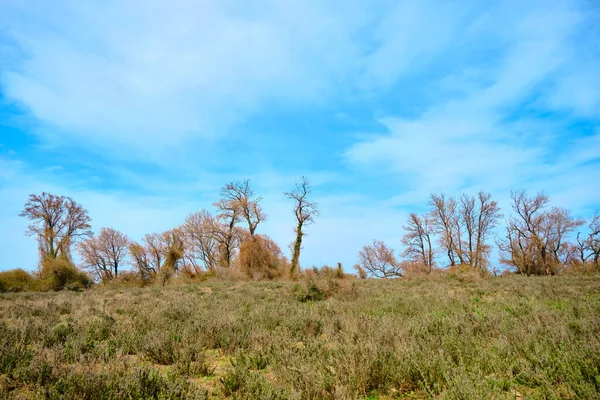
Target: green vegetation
[[435, 337]]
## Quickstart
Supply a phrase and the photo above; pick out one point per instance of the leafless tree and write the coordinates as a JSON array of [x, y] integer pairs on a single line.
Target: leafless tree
[[379, 260], [588, 246], [304, 211], [202, 246], [238, 202], [57, 222], [143, 261], [446, 223], [228, 237], [418, 240], [536, 239], [160, 254], [557, 225], [480, 216], [104, 254], [594, 240]]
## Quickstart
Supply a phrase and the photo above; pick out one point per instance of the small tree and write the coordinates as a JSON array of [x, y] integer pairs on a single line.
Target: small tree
[[379, 261], [304, 211]]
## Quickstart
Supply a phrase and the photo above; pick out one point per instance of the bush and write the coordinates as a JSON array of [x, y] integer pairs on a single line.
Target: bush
[[327, 272], [465, 273], [59, 274], [15, 280], [260, 258], [322, 289]]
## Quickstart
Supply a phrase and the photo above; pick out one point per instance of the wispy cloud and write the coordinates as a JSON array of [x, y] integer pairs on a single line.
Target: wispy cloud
[[490, 135]]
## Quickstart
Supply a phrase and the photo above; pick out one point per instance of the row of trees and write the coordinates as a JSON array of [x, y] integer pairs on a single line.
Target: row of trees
[[536, 240], [204, 242]]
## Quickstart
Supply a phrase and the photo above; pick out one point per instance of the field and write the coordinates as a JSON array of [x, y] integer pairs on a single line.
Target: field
[[499, 338]]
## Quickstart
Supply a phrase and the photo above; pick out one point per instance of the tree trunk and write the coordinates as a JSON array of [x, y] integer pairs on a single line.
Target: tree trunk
[[297, 247]]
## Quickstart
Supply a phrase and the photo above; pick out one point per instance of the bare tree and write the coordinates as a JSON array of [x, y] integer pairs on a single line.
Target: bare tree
[[557, 224], [379, 260], [143, 261], [238, 202], [524, 245], [446, 223], [536, 239], [104, 254], [304, 211], [588, 246], [582, 248], [57, 222], [594, 240], [418, 240], [202, 246], [479, 217], [228, 236], [160, 254]]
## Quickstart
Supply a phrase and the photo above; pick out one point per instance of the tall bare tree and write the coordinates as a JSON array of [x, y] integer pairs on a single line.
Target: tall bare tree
[[305, 211], [104, 254], [445, 221], [238, 202], [418, 240], [379, 260], [57, 222], [479, 217]]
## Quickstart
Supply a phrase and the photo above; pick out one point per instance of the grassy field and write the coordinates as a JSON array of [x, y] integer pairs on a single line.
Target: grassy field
[[501, 338]]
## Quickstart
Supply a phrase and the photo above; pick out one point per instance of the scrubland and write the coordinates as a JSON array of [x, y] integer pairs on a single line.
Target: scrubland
[[510, 337]]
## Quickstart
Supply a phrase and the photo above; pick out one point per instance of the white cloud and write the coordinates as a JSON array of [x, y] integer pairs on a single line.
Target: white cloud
[[470, 141], [155, 72]]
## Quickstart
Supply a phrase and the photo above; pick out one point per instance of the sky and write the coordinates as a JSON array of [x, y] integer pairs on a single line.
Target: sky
[[142, 110]]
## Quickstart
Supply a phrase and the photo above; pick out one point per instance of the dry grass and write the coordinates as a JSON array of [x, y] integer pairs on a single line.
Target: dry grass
[[496, 338]]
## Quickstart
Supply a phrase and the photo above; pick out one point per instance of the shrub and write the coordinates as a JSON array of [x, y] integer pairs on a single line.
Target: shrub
[[465, 273], [15, 280], [59, 274], [321, 289], [260, 258]]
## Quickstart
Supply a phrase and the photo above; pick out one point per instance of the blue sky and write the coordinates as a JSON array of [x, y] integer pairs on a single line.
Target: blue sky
[[142, 110]]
